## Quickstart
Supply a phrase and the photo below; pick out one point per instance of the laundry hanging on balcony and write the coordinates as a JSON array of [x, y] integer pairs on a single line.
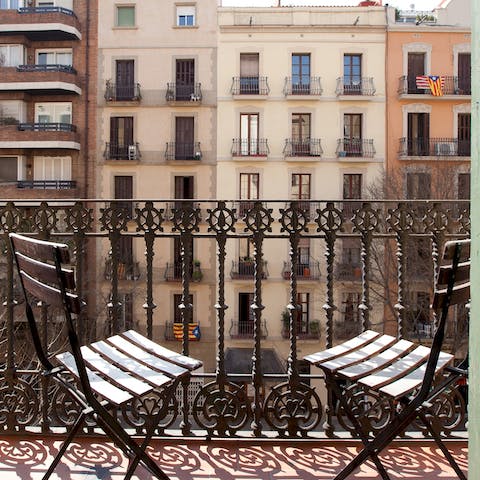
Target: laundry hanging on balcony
[[194, 332], [434, 83]]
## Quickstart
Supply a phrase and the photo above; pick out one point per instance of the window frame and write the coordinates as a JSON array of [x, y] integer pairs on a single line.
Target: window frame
[[117, 10], [186, 11]]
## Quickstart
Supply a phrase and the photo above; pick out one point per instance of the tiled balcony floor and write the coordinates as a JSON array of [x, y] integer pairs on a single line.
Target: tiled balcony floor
[[26, 458]]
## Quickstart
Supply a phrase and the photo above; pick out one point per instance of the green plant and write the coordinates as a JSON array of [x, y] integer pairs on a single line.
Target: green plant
[[8, 121]]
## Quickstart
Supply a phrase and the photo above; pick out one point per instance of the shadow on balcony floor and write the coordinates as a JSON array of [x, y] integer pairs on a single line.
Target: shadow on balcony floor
[[26, 458]]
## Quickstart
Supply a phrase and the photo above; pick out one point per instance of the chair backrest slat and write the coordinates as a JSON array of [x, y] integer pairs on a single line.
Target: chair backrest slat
[[44, 271], [40, 249]]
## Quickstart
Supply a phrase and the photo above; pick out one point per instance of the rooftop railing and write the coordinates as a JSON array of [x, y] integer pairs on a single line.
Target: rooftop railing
[[386, 231]]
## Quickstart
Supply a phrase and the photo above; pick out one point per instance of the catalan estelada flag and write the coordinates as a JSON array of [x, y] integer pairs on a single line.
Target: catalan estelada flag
[[193, 331], [435, 83]]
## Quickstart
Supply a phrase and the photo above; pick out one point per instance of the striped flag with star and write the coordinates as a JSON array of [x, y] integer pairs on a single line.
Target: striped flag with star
[[434, 83]]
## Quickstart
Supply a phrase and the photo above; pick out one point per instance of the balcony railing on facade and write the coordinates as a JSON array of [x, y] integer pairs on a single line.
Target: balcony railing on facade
[[386, 230], [434, 147], [178, 92], [308, 330], [449, 86], [47, 184], [48, 67], [119, 92], [303, 147], [250, 86], [250, 147], [355, 147], [116, 151], [174, 271], [309, 270], [183, 151], [47, 127], [244, 268], [363, 86], [31, 21], [348, 271], [14, 134], [126, 270], [243, 329], [302, 86]]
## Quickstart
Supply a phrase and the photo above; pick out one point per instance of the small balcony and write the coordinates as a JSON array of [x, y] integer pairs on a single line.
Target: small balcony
[[357, 86], [304, 271], [297, 87], [129, 270], [116, 92], [257, 86], [244, 269], [350, 272], [244, 147], [434, 147], [303, 147], [244, 329], [184, 94], [355, 147], [309, 330], [183, 151], [116, 151], [173, 272], [41, 23], [39, 136], [456, 86], [47, 184], [39, 79]]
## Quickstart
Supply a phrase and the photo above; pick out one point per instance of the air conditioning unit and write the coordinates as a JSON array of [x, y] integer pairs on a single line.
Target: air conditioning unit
[[132, 152], [444, 148]]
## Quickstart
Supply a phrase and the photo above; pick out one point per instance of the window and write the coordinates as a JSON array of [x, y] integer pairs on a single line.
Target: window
[[53, 112], [249, 73], [184, 79], [416, 67], [352, 74], [123, 185], [300, 73], [8, 169], [249, 133], [177, 300], [186, 16], [10, 4], [121, 137], [11, 55], [352, 186], [464, 134], [52, 168], [464, 186], [301, 187], [12, 111], [246, 319], [301, 134], [249, 183], [350, 315], [418, 186], [418, 315], [184, 138], [464, 73], [303, 300], [54, 57], [418, 140], [125, 79], [352, 134], [125, 16]]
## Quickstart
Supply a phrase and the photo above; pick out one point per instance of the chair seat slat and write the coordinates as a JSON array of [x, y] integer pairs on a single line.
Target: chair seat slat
[[414, 379], [398, 369], [136, 368], [395, 352], [160, 351], [352, 358], [353, 344], [108, 391], [113, 373], [147, 358]]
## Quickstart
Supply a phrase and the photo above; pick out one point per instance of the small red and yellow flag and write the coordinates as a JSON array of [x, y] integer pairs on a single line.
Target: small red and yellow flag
[[193, 331]]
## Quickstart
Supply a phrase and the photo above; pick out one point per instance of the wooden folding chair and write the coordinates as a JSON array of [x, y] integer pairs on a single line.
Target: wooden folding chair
[[107, 374], [408, 377]]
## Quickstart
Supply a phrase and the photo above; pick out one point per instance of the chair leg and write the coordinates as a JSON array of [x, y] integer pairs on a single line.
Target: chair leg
[[76, 426], [442, 446]]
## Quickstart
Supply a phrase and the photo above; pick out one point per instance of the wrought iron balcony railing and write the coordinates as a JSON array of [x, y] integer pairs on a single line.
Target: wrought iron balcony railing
[[245, 269], [355, 147], [253, 147], [309, 270], [117, 92], [115, 151], [303, 147], [302, 86], [434, 147], [47, 184], [242, 329], [183, 151], [47, 9], [348, 271], [47, 127], [450, 86], [47, 68], [385, 230], [126, 270], [355, 86], [250, 86], [177, 92]]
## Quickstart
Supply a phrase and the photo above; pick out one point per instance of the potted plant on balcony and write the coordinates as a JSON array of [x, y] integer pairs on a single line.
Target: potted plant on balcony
[[197, 274]]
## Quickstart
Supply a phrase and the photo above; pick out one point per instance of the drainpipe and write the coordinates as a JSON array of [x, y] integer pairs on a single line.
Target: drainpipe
[[474, 334], [86, 166]]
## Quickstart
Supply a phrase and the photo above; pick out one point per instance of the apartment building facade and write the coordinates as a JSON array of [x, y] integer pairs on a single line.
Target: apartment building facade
[[156, 119], [301, 104], [47, 76]]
